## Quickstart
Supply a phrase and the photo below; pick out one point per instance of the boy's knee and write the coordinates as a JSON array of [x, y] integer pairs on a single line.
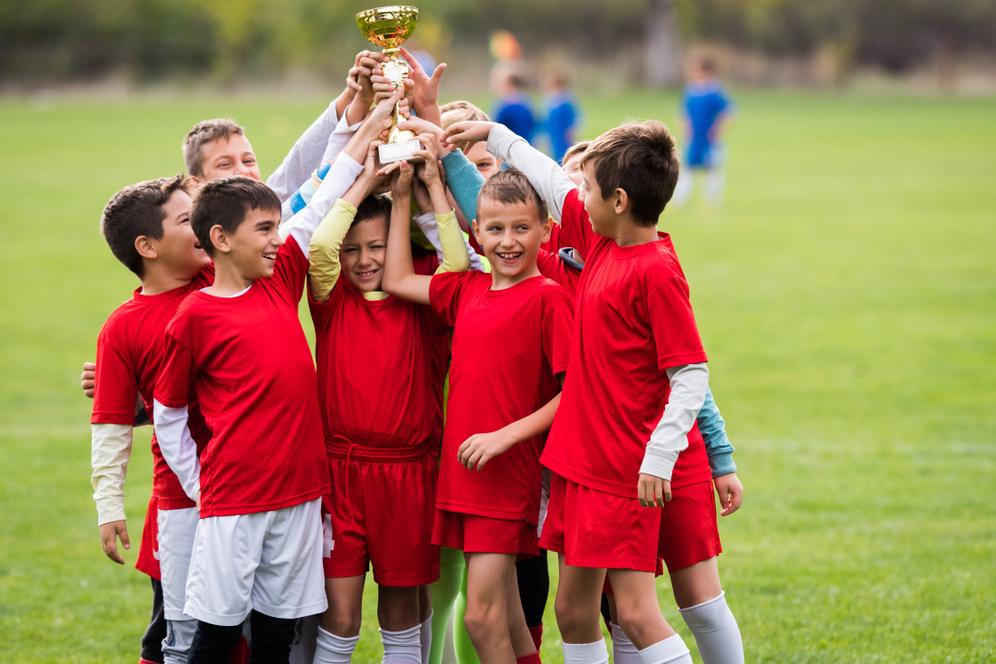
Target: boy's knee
[[341, 621], [483, 618], [573, 617]]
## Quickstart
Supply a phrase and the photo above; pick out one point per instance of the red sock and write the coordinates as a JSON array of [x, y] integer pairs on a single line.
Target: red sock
[[537, 634], [528, 659]]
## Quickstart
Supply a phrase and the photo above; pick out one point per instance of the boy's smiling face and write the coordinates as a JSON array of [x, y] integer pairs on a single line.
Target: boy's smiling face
[[362, 254], [178, 249], [511, 235], [252, 248], [231, 155]]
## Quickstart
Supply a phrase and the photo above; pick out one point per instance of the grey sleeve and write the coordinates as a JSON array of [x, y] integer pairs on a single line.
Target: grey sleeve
[[688, 389]]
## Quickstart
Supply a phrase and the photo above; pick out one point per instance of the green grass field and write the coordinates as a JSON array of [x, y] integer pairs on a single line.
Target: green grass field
[[846, 294]]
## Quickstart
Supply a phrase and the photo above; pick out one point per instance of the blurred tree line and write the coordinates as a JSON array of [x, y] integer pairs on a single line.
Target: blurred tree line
[[149, 40]]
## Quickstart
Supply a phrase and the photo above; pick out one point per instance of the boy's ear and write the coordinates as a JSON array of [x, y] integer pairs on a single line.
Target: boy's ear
[[477, 231], [547, 229], [146, 248], [620, 201], [220, 239]]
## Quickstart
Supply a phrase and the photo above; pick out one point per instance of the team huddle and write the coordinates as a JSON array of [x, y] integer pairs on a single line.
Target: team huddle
[[507, 364]]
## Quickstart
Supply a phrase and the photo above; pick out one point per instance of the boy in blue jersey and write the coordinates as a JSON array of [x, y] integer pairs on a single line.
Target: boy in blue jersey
[[514, 109], [707, 110], [561, 115]]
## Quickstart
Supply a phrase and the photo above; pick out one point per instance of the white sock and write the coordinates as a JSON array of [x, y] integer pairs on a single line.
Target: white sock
[[716, 631], [426, 638], [586, 653], [402, 647], [714, 186], [624, 651], [671, 650], [683, 190], [332, 649]]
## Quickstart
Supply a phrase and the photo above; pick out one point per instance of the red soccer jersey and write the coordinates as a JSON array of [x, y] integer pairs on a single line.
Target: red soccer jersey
[[247, 362], [508, 346], [129, 354], [380, 383], [633, 320]]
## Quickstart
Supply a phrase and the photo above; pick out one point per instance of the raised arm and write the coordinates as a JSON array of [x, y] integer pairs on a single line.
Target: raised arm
[[326, 243], [341, 176], [543, 173], [307, 153], [400, 279]]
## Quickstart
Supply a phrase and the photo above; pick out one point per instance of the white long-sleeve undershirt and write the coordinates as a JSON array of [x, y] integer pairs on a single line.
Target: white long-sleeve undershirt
[[688, 389], [305, 155], [550, 182], [110, 450], [178, 446]]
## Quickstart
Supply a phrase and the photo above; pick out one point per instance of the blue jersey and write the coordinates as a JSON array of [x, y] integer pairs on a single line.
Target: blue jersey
[[516, 114], [561, 119], [704, 104]]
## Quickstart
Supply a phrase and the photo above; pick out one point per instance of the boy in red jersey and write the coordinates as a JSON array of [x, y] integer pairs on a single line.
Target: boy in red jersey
[[638, 184], [500, 403], [380, 388], [239, 347], [147, 227]]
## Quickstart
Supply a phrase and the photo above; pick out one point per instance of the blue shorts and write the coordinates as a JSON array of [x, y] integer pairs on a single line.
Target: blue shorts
[[703, 155]]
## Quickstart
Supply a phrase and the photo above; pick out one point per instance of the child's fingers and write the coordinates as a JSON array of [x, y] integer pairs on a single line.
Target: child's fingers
[[123, 535], [667, 490], [658, 493]]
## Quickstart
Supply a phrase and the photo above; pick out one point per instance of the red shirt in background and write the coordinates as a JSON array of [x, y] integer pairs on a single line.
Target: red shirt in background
[[508, 347], [129, 355], [247, 362]]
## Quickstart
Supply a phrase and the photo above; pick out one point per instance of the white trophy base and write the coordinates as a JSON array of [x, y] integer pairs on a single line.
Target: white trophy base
[[390, 152]]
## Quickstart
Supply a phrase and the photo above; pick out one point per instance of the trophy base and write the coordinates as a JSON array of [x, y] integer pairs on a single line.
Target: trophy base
[[390, 152]]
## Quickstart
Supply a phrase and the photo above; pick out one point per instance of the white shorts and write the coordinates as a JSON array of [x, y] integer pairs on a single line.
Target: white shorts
[[267, 561], [176, 542]]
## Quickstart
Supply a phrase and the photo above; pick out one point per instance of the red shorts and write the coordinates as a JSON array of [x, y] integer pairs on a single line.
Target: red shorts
[[148, 550], [597, 529], [381, 516], [472, 533]]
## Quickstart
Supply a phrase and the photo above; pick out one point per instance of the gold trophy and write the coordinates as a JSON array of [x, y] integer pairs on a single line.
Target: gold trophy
[[389, 27]]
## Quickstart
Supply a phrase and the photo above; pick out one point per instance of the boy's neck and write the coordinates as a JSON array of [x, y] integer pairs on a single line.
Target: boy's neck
[[228, 279], [157, 280], [629, 233], [499, 282]]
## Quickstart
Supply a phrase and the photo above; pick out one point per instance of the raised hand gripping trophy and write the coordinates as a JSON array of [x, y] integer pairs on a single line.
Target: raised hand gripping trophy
[[389, 27]]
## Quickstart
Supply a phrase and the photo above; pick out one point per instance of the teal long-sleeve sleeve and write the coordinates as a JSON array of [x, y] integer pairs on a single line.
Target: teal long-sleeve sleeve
[[717, 444], [464, 181]]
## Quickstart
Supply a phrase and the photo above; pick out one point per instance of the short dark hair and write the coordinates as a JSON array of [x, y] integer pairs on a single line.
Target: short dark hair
[[512, 186], [201, 134], [135, 211], [225, 203], [640, 158], [374, 205]]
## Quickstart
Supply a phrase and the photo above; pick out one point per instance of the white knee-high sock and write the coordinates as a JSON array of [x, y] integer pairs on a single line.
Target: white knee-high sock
[[624, 651], [683, 190], [332, 649], [715, 186], [586, 653], [426, 638], [671, 650], [716, 631], [403, 646]]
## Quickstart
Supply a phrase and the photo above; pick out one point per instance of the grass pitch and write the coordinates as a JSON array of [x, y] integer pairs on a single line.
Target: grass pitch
[[846, 293]]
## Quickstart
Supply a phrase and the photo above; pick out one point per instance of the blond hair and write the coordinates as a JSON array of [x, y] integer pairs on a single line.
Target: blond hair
[[461, 111], [201, 134]]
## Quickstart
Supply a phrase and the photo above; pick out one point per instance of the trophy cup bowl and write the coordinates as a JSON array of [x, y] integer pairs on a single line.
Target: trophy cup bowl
[[389, 27]]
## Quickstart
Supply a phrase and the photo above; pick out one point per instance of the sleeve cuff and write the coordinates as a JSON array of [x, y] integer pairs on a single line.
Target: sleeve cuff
[[722, 464], [659, 464], [108, 510]]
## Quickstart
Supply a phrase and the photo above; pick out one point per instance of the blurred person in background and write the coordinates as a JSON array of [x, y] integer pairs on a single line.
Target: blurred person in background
[[562, 113], [707, 110]]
